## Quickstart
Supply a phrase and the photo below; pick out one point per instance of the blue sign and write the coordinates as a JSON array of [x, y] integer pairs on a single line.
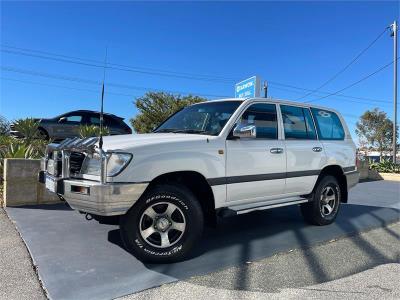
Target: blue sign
[[248, 88]]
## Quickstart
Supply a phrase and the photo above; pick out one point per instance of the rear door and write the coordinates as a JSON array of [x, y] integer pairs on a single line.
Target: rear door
[[305, 155], [255, 167], [336, 139]]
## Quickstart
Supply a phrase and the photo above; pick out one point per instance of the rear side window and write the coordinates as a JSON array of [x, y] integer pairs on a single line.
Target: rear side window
[[111, 122], [297, 122], [328, 125], [263, 116]]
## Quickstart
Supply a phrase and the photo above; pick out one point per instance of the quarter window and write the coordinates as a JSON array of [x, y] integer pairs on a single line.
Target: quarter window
[[328, 125], [263, 116], [297, 123], [94, 121]]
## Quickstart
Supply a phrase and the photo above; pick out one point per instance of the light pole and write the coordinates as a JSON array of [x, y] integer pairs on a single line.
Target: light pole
[[394, 34]]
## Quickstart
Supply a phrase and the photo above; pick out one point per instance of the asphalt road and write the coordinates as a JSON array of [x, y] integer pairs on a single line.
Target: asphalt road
[[381, 193], [360, 267]]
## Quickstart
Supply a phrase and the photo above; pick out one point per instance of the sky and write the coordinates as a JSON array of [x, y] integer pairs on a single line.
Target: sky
[[293, 45]]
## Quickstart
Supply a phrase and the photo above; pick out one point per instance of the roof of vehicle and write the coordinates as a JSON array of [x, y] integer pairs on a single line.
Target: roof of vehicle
[[92, 111], [274, 100]]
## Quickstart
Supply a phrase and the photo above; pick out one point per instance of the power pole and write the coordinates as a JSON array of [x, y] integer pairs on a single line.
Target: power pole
[[394, 34]]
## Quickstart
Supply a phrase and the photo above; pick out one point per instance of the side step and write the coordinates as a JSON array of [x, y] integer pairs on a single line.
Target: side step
[[233, 211]]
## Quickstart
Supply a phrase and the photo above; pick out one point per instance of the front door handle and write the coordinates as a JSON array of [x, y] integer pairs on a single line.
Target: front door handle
[[276, 150], [317, 149]]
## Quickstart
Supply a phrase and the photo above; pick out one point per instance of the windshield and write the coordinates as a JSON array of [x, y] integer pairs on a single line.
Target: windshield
[[204, 118]]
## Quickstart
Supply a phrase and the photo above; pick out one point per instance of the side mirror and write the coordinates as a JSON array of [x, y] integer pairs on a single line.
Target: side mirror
[[245, 131], [62, 120]]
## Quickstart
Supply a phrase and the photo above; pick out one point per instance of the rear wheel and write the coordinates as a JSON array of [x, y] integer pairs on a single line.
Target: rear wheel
[[324, 207], [164, 225]]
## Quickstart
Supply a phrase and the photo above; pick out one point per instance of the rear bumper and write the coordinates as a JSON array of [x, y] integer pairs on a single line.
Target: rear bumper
[[352, 178], [88, 196]]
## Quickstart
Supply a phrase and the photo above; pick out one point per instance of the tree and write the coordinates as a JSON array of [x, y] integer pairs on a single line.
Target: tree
[[156, 107], [375, 129], [4, 126]]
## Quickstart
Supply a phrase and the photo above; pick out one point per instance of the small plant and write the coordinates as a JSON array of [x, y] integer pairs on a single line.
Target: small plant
[[86, 131]]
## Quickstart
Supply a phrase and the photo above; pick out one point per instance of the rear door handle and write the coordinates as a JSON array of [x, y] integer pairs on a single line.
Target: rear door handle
[[317, 149], [276, 150]]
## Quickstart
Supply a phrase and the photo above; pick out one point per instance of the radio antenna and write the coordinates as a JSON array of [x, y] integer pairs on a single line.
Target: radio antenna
[[102, 104], [102, 162]]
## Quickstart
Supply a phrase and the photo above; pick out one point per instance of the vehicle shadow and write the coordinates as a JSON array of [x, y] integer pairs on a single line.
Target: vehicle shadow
[[261, 234]]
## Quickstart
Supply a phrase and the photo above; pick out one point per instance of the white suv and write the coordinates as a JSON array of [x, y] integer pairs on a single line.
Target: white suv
[[216, 158]]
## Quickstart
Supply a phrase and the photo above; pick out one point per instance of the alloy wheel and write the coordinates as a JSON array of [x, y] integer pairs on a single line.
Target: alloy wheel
[[162, 224], [327, 201]]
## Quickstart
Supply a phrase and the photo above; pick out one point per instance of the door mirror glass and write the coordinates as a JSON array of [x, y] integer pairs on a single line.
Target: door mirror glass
[[245, 131]]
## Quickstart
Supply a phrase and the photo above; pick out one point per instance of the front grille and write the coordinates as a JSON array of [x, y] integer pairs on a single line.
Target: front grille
[[75, 162]]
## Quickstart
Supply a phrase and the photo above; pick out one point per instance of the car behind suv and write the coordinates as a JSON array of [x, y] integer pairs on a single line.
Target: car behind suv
[[67, 125], [216, 158]]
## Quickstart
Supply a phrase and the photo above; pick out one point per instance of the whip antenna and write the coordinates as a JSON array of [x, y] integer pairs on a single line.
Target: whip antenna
[[102, 154], [102, 104]]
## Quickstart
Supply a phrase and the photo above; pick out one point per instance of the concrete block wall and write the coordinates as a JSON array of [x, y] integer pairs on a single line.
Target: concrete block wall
[[21, 186], [363, 168]]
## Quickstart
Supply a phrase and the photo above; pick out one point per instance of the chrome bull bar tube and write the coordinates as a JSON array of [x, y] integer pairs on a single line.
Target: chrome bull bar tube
[[69, 145]]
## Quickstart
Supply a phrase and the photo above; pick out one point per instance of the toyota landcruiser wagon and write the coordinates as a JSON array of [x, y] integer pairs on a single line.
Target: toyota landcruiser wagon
[[212, 159]]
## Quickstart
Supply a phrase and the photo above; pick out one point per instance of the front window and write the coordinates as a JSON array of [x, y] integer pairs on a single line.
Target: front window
[[204, 118]]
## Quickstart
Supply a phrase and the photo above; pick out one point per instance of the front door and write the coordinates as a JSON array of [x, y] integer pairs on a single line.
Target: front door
[[256, 167], [304, 152], [68, 126]]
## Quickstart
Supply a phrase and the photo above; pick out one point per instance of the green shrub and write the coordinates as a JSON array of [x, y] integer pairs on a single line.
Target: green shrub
[[86, 131], [28, 128], [385, 166], [30, 146]]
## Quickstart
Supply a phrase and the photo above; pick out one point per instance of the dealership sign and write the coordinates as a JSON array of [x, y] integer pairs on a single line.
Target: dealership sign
[[248, 88]]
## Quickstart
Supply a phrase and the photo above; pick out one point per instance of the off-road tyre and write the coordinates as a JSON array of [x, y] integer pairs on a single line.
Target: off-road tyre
[[316, 211], [186, 210]]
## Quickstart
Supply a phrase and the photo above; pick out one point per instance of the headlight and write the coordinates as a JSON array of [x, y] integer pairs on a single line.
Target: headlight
[[116, 162]]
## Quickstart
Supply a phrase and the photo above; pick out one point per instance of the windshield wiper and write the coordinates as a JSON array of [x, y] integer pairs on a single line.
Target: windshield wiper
[[165, 130], [174, 130], [189, 131]]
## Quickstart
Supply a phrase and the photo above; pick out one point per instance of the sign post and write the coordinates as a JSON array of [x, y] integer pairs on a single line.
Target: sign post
[[248, 88]]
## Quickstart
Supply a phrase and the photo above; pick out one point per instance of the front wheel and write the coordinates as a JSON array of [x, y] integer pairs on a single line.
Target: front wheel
[[324, 205], [164, 225]]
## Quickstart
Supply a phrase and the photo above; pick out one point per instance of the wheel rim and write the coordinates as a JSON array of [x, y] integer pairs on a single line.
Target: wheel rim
[[327, 201], [162, 224]]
